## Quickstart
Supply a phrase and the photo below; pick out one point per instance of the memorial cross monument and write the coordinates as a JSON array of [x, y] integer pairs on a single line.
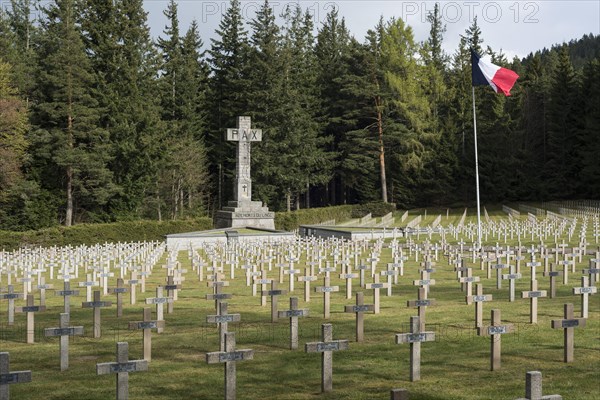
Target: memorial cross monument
[[243, 212]]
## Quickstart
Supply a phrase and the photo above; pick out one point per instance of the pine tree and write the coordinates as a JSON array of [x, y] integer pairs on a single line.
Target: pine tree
[[69, 139], [228, 60], [333, 40], [265, 102], [560, 172], [409, 130], [590, 145], [183, 170]]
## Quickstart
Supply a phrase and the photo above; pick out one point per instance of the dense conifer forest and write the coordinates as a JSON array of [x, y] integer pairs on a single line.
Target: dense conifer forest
[[100, 122]]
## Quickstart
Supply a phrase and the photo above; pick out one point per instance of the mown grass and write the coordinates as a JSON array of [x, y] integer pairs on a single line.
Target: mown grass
[[455, 366]]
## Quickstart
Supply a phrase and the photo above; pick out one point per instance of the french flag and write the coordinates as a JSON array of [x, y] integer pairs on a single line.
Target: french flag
[[485, 73]]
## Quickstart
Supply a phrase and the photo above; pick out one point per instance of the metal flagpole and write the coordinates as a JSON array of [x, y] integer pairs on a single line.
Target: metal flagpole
[[477, 175]]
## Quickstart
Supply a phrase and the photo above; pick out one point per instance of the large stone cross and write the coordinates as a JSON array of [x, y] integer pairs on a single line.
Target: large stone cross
[[243, 135]]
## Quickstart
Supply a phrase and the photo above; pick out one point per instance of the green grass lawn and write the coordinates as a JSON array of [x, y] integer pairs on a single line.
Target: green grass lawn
[[455, 366]]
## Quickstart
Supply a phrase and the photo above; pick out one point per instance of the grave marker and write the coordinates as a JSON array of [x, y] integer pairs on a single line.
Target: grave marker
[[359, 309], [118, 291], [293, 313], [274, 293], [479, 299], [415, 337], [147, 325], [222, 319], [533, 388], [97, 305], [533, 295], [230, 356], [494, 331], [122, 368], [66, 293], [307, 279], [8, 378], [11, 296], [159, 300], [326, 289], [567, 325], [30, 309], [171, 287], [376, 286], [421, 303], [64, 331], [585, 291], [326, 347]]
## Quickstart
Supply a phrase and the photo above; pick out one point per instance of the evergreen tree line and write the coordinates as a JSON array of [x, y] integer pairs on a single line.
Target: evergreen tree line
[[99, 122]]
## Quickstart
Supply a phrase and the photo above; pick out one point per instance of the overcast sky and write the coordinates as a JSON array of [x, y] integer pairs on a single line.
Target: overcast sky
[[516, 27]]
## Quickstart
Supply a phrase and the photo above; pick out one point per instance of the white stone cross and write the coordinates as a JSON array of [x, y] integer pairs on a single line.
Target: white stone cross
[[64, 331], [147, 325], [293, 313], [326, 347], [585, 291], [494, 331], [359, 309], [230, 357], [122, 368], [415, 337], [30, 309], [568, 324]]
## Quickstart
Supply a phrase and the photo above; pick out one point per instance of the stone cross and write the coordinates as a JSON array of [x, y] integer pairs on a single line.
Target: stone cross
[[391, 273], [30, 309], [362, 267], [230, 356], [467, 281], [567, 325], [88, 284], [119, 290], [66, 293], [7, 377], [274, 293], [533, 295], [594, 269], [421, 303], [511, 277], [147, 325], [326, 289], [293, 313], [97, 305], [218, 297], [478, 299], [425, 281], [11, 296], [585, 291], [533, 388], [263, 281], [307, 279], [348, 277], [494, 331], [244, 135], [222, 319], [326, 347], [159, 300], [171, 289], [132, 284], [499, 268], [553, 275], [415, 337], [42, 287], [359, 309], [376, 286], [122, 368], [64, 331]]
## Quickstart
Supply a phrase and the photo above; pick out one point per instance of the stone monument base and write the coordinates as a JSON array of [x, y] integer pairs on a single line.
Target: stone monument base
[[245, 214]]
